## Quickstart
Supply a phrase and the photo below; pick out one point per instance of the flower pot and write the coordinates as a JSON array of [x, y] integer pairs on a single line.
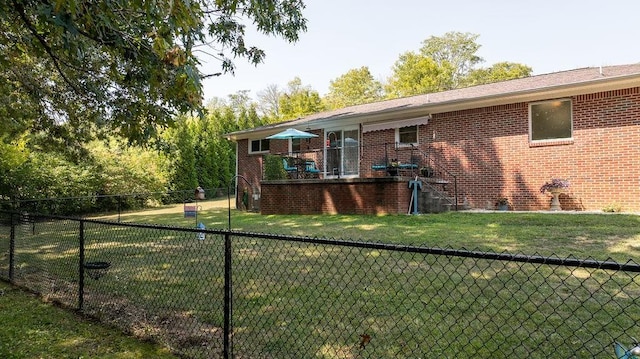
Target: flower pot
[[426, 172], [503, 207], [555, 201]]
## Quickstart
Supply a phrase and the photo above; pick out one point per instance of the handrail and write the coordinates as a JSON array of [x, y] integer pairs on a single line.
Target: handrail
[[431, 161]]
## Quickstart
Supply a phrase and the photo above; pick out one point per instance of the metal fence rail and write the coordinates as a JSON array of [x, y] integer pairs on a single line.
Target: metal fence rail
[[95, 204], [220, 293]]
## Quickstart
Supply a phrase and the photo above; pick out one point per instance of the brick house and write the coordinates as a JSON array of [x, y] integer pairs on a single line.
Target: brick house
[[467, 148]]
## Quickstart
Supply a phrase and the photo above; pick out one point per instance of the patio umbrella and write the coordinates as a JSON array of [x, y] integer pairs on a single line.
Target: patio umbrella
[[291, 133]]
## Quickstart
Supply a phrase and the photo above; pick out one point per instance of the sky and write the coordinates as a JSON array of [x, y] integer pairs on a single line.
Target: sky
[[546, 35]]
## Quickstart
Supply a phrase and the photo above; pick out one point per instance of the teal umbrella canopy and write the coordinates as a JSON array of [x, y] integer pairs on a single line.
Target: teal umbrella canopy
[[291, 133]]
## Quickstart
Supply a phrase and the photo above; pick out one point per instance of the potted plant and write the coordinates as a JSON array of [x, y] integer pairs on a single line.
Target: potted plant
[[502, 204], [426, 171], [555, 187], [392, 169]]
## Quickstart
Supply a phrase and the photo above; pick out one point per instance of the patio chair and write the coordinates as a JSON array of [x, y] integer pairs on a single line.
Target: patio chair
[[407, 166], [380, 165], [290, 169], [310, 167], [414, 162]]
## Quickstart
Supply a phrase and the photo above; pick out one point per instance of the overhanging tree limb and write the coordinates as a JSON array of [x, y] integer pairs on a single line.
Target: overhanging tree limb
[[131, 64], [44, 44]]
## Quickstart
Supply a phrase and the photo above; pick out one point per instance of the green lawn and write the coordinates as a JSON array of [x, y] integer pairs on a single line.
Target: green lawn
[[33, 329], [302, 300], [562, 234]]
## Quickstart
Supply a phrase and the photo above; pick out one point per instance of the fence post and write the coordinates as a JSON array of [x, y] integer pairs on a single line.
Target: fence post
[[228, 304], [12, 247], [119, 206], [81, 268]]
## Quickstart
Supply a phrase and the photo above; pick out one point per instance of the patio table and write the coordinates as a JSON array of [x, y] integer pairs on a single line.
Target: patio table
[[301, 166]]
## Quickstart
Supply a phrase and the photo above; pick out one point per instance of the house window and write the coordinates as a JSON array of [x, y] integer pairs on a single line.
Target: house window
[[295, 145], [407, 135], [257, 146], [550, 120], [342, 152]]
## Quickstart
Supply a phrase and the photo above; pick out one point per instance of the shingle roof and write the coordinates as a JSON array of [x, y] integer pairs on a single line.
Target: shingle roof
[[523, 85]]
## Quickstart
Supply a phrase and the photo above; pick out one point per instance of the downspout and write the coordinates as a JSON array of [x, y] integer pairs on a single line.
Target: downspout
[[236, 175], [360, 148]]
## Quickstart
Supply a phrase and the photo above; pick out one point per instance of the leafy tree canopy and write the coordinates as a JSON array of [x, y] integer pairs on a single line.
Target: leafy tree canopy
[[498, 72], [355, 87], [455, 51], [414, 74], [299, 100], [269, 102], [444, 63], [72, 67]]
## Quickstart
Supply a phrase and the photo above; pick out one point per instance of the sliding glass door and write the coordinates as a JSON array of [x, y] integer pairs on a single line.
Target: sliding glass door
[[342, 152]]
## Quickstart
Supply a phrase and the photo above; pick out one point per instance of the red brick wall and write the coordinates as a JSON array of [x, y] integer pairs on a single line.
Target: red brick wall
[[373, 151], [490, 149], [249, 166], [346, 196]]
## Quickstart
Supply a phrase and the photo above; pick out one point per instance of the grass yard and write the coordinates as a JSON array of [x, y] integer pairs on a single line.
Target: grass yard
[[598, 236], [302, 300], [33, 329]]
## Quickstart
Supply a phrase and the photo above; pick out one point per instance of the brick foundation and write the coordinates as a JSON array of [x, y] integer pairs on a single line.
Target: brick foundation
[[345, 196]]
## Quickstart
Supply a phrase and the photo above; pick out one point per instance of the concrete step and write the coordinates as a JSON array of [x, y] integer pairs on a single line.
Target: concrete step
[[429, 202]]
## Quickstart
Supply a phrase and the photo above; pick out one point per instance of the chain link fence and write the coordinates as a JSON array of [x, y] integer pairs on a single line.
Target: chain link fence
[[229, 294], [102, 204]]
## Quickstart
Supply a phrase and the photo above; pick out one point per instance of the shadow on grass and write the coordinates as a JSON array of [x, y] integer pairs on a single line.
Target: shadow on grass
[[295, 300]]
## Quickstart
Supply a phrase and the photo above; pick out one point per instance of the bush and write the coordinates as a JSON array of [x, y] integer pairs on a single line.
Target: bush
[[273, 168], [612, 208]]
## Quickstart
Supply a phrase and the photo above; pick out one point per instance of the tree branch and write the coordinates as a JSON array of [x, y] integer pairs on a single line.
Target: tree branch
[[45, 45]]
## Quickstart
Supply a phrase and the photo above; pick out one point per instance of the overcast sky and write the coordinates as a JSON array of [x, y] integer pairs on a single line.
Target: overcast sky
[[546, 35]]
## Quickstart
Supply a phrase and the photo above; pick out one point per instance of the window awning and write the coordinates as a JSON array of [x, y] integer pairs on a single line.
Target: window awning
[[369, 127]]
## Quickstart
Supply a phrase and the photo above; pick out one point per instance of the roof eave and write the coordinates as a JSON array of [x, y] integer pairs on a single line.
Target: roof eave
[[533, 95], [528, 95]]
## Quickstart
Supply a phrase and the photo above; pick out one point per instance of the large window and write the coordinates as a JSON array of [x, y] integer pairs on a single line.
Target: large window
[[295, 145], [550, 120], [407, 135], [342, 152], [258, 146]]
